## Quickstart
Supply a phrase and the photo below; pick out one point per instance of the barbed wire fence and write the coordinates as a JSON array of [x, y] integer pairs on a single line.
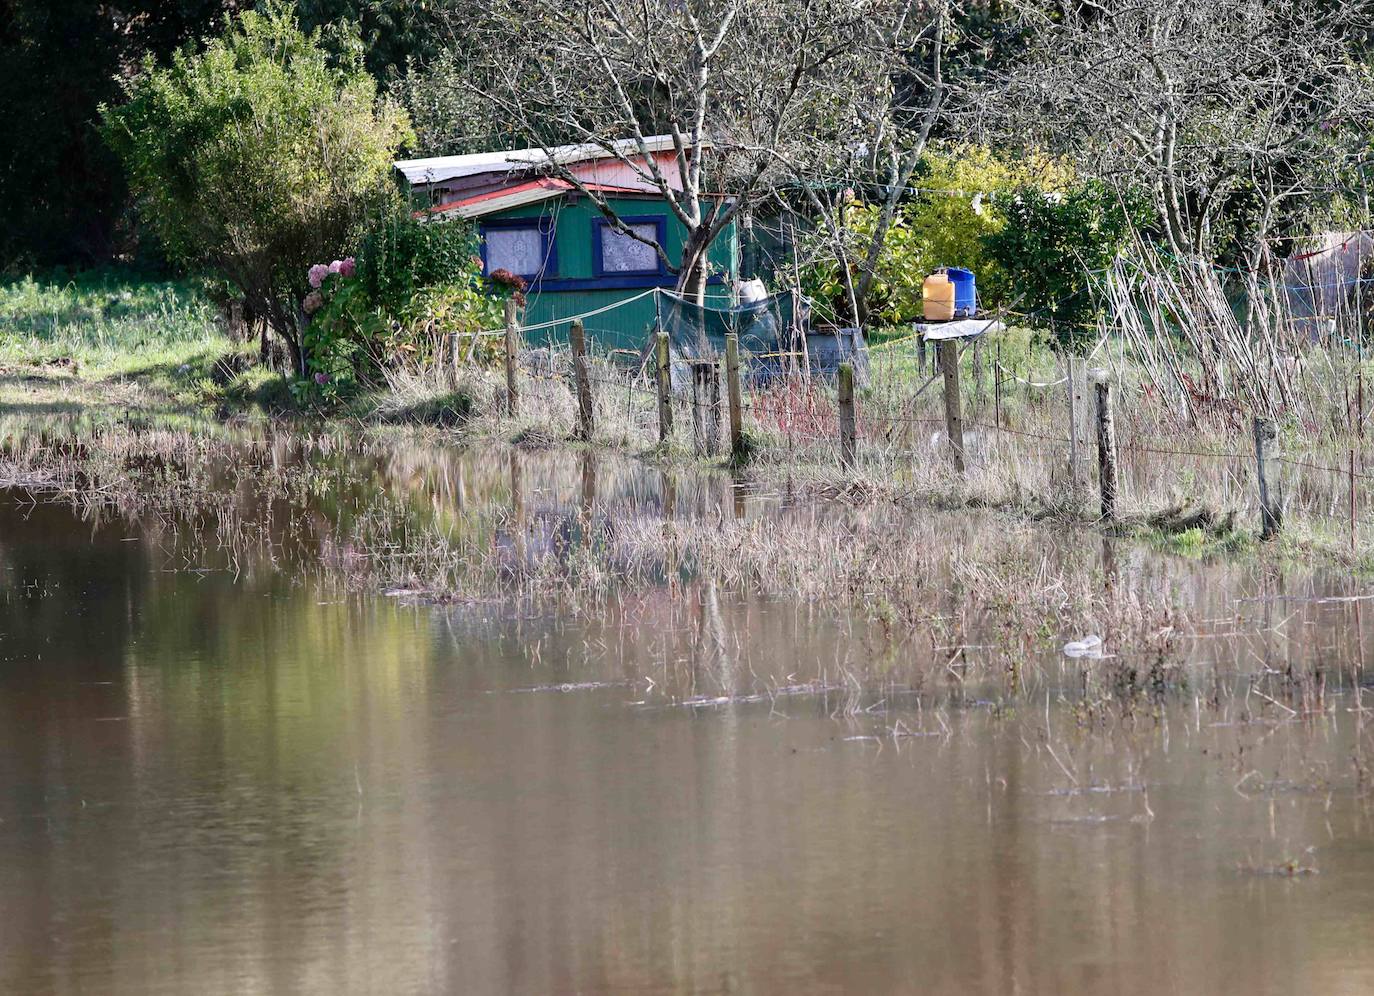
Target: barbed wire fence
[[966, 422]]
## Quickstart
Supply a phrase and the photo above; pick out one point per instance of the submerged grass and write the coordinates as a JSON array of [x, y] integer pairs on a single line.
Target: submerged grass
[[104, 342], [943, 612]]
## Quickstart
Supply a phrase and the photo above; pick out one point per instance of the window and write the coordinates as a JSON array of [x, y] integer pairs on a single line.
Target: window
[[524, 248], [618, 253]]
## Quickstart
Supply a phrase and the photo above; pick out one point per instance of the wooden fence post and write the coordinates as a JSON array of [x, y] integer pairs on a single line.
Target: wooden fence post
[[847, 421], [733, 387], [705, 407], [1106, 444], [664, 374], [586, 415], [1076, 372], [512, 358], [948, 352], [978, 377], [1271, 496]]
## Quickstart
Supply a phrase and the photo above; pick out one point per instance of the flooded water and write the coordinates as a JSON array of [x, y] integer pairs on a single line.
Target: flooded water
[[222, 771]]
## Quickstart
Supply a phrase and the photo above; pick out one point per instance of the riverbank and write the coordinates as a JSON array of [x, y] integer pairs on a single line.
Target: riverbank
[[103, 346]]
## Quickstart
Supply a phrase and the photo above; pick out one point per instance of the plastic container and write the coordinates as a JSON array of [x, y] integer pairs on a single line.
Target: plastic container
[[937, 297], [965, 291]]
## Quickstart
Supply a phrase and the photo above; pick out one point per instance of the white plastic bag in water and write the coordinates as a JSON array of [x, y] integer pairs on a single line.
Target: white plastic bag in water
[[1089, 646]]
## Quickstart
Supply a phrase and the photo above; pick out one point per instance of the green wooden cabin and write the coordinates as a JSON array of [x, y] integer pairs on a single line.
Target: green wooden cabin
[[548, 232]]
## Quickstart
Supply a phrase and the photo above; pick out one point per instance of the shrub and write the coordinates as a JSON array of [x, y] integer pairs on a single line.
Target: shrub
[[957, 203], [258, 156], [413, 286], [1050, 249]]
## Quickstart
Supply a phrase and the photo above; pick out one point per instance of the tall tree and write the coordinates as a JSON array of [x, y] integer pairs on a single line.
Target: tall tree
[[61, 192], [924, 60], [740, 87], [1225, 112], [392, 35]]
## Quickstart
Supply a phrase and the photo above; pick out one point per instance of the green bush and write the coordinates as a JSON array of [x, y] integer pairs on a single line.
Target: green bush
[[1051, 250], [412, 286], [257, 156], [956, 204], [401, 255]]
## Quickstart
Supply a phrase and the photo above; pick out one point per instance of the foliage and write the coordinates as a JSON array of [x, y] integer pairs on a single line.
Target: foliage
[[1224, 144], [413, 286], [957, 203], [61, 189], [257, 157], [61, 192], [895, 293], [388, 34], [401, 255], [1051, 246]]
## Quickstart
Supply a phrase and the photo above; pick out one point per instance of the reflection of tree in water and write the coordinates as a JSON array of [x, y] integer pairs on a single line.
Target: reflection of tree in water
[[67, 591], [69, 598]]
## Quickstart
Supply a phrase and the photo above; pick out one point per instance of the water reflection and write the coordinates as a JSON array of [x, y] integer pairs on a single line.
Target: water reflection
[[220, 772]]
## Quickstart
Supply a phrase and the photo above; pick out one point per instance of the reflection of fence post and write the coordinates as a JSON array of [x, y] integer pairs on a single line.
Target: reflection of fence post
[[1106, 445], [846, 400], [948, 352], [1271, 497], [586, 416], [664, 375], [512, 357], [733, 387]]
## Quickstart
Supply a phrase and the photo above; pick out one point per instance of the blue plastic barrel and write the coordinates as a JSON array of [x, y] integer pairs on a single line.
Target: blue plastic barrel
[[965, 292]]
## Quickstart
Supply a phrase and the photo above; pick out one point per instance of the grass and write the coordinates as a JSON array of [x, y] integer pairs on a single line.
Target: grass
[[383, 509], [111, 341]]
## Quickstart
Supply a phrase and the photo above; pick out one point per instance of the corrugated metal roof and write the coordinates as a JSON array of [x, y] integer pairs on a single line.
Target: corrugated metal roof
[[441, 168]]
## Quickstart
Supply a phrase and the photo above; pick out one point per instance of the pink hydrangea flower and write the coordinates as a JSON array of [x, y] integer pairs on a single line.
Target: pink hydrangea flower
[[313, 302], [317, 274], [348, 267], [336, 266]]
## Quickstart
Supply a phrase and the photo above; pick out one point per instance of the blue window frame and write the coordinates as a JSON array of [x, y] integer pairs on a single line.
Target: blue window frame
[[509, 236], [624, 265]]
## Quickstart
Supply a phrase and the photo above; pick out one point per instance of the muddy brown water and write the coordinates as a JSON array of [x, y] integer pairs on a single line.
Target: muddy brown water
[[226, 775]]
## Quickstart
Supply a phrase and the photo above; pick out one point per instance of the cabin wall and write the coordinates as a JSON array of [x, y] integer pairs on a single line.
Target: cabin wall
[[574, 287]]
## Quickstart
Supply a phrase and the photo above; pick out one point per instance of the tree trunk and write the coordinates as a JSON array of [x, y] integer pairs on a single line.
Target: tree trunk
[[691, 277], [691, 284]]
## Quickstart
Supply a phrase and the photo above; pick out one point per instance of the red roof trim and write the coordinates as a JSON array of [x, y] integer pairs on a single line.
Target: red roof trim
[[545, 183]]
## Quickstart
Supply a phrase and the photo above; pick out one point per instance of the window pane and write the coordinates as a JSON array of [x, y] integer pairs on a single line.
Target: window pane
[[519, 250], [622, 254]]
